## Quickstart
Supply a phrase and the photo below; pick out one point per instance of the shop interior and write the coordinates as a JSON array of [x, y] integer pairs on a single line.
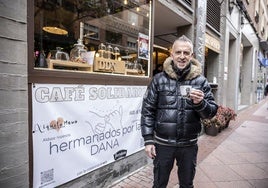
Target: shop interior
[[95, 36]]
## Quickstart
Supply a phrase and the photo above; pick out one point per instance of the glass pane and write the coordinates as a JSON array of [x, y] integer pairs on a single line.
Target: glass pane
[[104, 36]]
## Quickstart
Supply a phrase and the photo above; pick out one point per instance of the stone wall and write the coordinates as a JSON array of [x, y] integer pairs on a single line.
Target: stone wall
[[14, 165]]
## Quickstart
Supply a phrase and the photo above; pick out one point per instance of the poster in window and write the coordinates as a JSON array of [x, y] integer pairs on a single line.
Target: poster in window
[[143, 51], [80, 128]]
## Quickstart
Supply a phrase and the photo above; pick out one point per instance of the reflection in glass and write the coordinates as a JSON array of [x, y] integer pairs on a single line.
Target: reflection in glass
[[115, 24]]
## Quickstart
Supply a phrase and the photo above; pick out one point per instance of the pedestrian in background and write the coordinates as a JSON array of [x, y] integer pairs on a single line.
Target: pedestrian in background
[[170, 122], [266, 90]]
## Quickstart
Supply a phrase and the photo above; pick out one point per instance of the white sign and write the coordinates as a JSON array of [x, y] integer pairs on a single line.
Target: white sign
[[97, 125]]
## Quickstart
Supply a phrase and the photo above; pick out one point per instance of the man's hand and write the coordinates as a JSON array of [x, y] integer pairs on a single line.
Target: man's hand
[[150, 151], [196, 95]]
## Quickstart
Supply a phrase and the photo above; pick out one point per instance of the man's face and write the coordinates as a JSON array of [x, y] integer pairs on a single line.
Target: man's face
[[181, 54]]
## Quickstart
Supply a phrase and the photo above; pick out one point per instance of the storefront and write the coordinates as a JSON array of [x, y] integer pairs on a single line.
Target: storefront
[[73, 74], [91, 62], [79, 88], [212, 65], [89, 65]]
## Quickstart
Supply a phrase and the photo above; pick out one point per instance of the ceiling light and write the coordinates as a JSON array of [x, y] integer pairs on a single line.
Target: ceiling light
[[55, 26], [57, 30]]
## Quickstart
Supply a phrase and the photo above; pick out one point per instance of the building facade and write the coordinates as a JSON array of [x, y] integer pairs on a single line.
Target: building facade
[[244, 38], [121, 43]]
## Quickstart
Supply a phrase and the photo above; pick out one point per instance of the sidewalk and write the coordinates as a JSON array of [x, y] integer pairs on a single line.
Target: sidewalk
[[235, 158]]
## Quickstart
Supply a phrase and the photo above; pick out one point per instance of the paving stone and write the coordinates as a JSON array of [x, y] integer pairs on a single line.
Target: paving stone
[[235, 158]]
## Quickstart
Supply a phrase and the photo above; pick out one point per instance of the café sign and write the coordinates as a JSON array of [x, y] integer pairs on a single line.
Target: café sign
[[212, 43]]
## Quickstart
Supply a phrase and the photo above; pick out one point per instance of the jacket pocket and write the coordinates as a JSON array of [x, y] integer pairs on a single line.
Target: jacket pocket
[[167, 98], [166, 129]]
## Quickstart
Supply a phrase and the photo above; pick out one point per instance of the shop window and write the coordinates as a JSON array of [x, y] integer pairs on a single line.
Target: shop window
[[113, 38], [92, 36], [131, 44], [133, 18]]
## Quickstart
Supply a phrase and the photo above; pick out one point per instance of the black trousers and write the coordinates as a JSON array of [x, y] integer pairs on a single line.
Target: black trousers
[[164, 161]]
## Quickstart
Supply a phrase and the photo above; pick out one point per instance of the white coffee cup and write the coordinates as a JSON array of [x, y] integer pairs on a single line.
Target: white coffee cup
[[185, 90]]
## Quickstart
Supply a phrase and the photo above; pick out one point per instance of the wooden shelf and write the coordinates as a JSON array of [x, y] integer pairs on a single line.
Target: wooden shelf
[[135, 72], [70, 64]]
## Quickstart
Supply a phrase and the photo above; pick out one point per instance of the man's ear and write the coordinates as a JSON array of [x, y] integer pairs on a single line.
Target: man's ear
[[191, 57]]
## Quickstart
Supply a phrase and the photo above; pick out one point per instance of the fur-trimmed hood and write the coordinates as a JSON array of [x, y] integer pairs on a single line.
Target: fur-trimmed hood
[[196, 69]]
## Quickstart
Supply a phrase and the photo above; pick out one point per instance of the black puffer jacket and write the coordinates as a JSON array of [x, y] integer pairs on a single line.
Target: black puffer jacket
[[167, 117]]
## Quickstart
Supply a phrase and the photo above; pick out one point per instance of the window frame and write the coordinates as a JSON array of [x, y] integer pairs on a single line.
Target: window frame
[[42, 75]]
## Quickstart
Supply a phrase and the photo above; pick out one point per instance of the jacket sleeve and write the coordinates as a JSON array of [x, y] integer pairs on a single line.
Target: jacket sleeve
[[208, 107], [148, 113]]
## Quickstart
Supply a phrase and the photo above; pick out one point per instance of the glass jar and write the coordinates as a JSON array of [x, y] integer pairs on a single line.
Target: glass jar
[[60, 55], [110, 52], [102, 50], [116, 53], [78, 53], [138, 67]]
